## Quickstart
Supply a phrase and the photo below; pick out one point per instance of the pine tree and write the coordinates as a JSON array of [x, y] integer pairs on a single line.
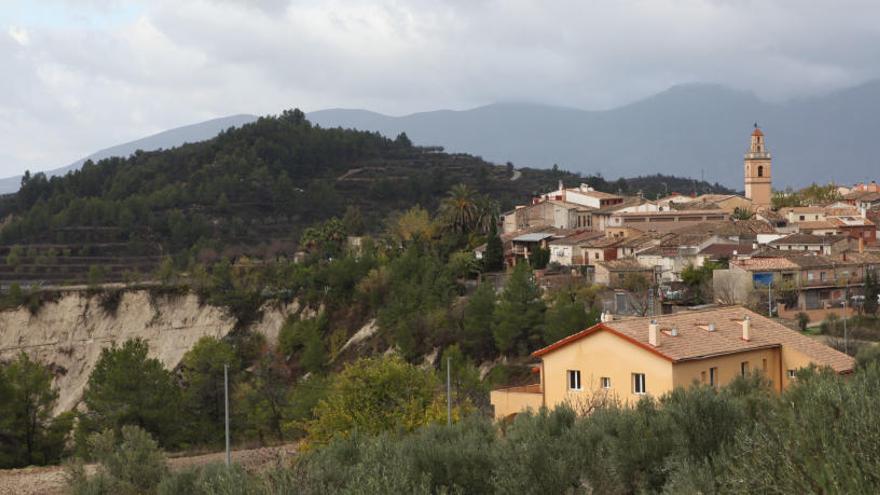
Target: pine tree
[[565, 317], [519, 315], [476, 337]]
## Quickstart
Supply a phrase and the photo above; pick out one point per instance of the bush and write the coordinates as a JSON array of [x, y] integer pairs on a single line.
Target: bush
[[131, 464], [109, 301], [803, 319], [373, 395]]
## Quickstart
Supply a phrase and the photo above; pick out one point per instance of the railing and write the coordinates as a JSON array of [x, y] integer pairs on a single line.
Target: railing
[[534, 388]]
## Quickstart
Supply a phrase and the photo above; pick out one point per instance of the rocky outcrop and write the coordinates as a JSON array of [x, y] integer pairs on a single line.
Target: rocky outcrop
[[68, 334]]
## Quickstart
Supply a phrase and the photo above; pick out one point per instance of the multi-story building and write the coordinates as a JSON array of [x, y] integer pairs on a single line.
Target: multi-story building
[[817, 244], [628, 359], [814, 282]]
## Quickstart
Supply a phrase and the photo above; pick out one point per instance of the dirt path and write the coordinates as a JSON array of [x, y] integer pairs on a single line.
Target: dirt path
[[50, 480]]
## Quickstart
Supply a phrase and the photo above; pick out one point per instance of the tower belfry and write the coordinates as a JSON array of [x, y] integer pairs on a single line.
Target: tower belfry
[[757, 171]]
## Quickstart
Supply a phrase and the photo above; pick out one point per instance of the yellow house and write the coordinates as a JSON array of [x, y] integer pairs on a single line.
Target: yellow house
[[629, 358]]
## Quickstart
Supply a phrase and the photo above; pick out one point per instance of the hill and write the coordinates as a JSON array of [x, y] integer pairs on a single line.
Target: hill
[[163, 140], [684, 131], [250, 191]]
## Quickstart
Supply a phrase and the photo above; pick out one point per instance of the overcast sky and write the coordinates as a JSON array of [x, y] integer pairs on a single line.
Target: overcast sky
[[80, 75]]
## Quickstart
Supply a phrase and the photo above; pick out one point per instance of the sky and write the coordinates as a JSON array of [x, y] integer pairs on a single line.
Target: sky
[[81, 75]]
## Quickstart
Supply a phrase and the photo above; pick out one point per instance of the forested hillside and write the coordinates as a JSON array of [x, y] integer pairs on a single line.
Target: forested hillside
[[249, 191]]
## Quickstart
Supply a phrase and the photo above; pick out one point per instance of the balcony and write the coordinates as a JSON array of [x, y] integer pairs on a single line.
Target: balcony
[[514, 400]]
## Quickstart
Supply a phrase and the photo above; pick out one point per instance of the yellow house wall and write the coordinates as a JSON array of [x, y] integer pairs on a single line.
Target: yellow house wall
[[507, 403], [792, 360], [603, 354], [686, 372]]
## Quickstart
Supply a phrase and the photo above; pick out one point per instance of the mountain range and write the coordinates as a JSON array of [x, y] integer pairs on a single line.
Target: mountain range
[[163, 140], [695, 130], [690, 130]]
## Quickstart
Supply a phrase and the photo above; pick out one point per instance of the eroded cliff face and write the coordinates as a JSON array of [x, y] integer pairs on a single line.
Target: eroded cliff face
[[68, 334]]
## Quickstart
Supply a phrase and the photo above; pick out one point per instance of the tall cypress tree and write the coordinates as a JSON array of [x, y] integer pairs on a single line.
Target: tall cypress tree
[[493, 258], [872, 289]]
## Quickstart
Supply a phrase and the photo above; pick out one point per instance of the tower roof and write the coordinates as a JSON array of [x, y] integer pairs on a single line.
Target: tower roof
[[757, 132]]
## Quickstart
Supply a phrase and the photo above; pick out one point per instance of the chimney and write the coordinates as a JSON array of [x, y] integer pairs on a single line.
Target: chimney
[[652, 333], [561, 187], [711, 327], [747, 328]]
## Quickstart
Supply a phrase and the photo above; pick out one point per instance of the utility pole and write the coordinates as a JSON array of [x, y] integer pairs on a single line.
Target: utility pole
[[226, 396], [449, 391], [845, 335]]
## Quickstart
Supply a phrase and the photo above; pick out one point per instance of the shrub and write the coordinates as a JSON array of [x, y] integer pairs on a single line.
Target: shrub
[[373, 395], [131, 464], [803, 319]]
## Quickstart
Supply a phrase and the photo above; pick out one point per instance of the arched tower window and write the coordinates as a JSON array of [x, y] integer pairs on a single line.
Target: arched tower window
[[760, 171]]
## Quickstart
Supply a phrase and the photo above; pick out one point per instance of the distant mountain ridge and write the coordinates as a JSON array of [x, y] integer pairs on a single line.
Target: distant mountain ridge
[[689, 130], [163, 140]]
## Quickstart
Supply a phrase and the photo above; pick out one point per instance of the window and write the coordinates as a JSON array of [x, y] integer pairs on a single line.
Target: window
[[803, 218], [764, 365], [713, 377], [639, 383], [760, 171], [596, 255], [744, 368], [822, 276], [574, 379], [792, 374], [605, 382]]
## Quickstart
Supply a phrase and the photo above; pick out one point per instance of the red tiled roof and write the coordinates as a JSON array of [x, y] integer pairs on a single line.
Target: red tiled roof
[[694, 341]]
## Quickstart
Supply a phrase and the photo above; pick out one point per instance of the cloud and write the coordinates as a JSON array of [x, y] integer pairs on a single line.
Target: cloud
[[105, 71], [20, 35]]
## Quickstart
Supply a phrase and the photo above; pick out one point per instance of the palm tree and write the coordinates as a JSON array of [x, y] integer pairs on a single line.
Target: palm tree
[[459, 208], [487, 214]]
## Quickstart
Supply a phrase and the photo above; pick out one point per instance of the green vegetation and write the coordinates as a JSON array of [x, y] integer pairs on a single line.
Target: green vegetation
[[872, 293], [699, 280], [811, 195], [128, 388], [375, 395], [28, 433], [743, 438], [519, 314], [129, 463]]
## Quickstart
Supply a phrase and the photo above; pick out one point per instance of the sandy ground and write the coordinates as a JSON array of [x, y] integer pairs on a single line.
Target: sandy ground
[[50, 480]]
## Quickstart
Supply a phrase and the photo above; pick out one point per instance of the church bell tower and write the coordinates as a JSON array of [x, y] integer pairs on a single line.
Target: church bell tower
[[757, 171]]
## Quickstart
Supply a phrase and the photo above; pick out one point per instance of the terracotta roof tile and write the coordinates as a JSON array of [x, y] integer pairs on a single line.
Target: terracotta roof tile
[[694, 341]]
